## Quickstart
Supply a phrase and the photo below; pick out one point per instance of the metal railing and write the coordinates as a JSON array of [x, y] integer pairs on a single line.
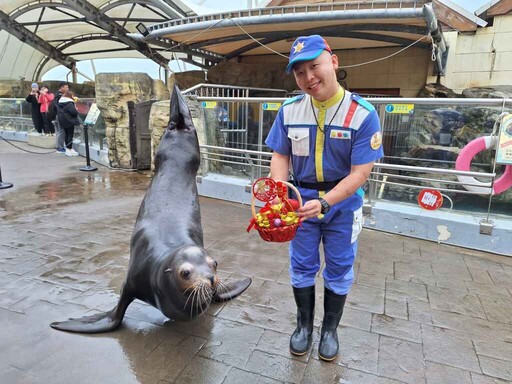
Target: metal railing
[[220, 90], [259, 162]]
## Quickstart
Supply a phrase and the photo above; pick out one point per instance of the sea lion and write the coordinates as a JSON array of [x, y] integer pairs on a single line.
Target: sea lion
[[169, 267]]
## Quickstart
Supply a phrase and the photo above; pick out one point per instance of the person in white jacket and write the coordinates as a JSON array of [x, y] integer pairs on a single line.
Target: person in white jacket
[[67, 116]]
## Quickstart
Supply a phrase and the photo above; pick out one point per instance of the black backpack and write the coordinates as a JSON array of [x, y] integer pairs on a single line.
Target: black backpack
[[53, 107]]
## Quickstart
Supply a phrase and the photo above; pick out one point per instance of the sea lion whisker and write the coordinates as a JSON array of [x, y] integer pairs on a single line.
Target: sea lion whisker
[[189, 288], [208, 294], [196, 299], [225, 286], [206, 302], [189, 296], [192, 303], [204, 289]]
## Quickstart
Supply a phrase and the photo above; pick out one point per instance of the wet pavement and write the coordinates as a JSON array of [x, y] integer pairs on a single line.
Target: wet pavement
[[419, 312]]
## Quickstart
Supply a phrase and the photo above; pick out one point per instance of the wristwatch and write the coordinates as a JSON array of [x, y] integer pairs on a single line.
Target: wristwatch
[[325, 206]]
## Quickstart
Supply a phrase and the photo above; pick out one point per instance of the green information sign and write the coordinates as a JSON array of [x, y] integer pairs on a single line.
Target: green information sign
[[209, 104], [271, 106], [400, 108]]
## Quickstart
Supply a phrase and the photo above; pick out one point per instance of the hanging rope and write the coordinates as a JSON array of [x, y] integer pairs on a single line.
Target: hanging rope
[[285, 56], [256, 40], [193, 37], [386, 57]]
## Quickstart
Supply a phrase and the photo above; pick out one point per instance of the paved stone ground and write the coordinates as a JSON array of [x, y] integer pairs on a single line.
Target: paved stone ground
[[419, 312]]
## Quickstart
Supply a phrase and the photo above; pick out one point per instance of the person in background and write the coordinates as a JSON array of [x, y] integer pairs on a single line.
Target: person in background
[[45, 98], [332, 138], [35, 108], [61, 135], [67, 117]]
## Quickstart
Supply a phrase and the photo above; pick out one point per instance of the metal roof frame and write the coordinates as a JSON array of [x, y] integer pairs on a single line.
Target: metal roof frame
[[82, 11], [104, 22], [26, 36], [361, 20]]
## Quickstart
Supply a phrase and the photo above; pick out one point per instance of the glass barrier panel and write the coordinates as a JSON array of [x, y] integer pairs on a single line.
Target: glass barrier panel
[[233, 124], [433, 136], [15, 115]]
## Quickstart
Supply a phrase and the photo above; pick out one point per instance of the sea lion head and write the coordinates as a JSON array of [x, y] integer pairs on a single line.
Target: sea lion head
[[191, 274]]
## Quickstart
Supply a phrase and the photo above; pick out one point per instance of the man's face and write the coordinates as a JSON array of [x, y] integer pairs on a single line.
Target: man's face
[[64, 88], [317, 77]]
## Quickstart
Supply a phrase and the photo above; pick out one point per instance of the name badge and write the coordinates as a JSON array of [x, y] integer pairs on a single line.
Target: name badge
[[339, 134]]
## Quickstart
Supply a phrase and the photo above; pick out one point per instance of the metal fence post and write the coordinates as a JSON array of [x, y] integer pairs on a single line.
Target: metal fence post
[[88, 167], [2, 184]]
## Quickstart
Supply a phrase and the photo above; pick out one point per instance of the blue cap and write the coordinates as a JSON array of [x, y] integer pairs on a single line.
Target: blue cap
[[34, 85], [306, 48]]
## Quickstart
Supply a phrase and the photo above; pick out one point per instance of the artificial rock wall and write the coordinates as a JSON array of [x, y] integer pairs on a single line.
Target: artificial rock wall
[[159, 119], [113, 92]]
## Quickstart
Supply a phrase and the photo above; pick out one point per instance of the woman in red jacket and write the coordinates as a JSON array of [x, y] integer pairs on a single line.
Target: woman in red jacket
[[45, 99]]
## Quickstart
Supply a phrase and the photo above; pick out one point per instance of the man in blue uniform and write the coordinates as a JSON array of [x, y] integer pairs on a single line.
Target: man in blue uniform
[[332, 138]]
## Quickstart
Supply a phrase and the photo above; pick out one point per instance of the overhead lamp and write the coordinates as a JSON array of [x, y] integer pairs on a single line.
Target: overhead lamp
[[142, 29]]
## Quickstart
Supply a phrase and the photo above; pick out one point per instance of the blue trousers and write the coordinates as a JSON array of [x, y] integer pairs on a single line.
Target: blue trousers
[[338, 231]]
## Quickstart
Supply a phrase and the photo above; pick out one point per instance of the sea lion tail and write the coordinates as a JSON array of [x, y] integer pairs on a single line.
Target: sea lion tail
[[225, 292], [98, 323]]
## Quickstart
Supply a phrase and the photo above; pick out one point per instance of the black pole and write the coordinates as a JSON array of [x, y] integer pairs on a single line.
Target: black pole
[[87, 157], [2, 184]]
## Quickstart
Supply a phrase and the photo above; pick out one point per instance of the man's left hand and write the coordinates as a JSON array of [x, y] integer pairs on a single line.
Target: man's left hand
[[311, 208]]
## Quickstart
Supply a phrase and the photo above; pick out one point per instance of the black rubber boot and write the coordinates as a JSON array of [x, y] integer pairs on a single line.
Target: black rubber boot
[[300, 342], [333, 309]]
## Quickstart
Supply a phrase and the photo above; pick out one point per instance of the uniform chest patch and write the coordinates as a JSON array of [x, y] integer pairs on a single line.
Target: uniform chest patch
[[340, 134]]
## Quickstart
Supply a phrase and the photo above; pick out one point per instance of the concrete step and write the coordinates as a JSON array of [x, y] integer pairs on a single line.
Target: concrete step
[[41, 141]]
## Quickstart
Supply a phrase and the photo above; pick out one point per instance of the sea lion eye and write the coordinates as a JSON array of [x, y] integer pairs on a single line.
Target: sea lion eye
[[185, 273], [215, 264]]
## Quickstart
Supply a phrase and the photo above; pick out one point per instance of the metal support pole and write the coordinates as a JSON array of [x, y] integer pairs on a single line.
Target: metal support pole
[[74, 73], [2, 184], [487, 225], [88, 167]]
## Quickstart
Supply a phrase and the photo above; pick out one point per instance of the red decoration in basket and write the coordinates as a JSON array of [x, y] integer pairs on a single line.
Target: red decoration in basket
[[264, 189], [276, 221]]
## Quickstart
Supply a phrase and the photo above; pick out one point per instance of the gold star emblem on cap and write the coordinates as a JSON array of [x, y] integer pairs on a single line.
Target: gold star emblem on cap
[[298, 47]]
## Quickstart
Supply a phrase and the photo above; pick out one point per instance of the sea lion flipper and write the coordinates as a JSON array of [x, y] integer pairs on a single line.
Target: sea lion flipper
[[229, 291], [98, 323]]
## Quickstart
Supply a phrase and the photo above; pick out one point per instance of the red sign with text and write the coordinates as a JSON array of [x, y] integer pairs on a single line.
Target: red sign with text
[[430, 199]]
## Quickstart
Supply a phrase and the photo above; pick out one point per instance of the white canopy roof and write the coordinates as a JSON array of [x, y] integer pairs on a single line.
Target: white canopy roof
[[37, 35]]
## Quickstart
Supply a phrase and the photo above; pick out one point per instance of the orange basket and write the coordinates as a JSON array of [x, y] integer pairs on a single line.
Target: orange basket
[[277, 234]]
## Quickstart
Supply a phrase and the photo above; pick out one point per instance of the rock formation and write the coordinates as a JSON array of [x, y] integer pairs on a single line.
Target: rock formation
[[113, 92]]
